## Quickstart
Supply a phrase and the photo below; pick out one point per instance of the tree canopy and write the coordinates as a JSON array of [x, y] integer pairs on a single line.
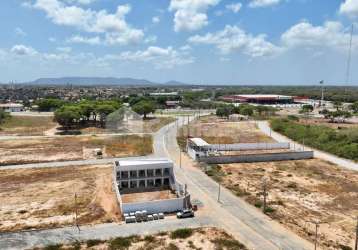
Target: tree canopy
[[144, 108]]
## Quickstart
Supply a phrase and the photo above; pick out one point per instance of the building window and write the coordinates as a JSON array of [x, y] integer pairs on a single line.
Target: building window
[[133, 173], [133, 184], [150, 172], [124, 175], [150, 183], [166, 171], [142, 183], [158, 182], [166, 182], [158, 172], [142, 173], [124, 184]]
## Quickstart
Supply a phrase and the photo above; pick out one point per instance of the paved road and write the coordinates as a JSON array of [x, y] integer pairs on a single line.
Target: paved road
[[246, 223], [29, 239], [345, 163]]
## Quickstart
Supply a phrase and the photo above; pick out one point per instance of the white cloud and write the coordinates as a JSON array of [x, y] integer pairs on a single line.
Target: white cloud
[[52, 39], [160, 57], [114, 26], [190, 15], [22, 50], [20, 32], [330, 34], [263, 3], [85, 40], [234, 39], [151, 39], [234, 7], [83, 2], [64, 49], [349, 8], [155, 19]]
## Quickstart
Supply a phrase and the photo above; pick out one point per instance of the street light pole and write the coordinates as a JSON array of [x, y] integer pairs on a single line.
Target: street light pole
[[356, 244], [219, 191]]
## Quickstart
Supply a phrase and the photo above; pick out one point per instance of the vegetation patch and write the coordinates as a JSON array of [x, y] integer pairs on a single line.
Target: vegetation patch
[[343, 143], [181, 233]]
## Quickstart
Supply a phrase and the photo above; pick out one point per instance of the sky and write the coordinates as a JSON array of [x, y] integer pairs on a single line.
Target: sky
[[194, 41]]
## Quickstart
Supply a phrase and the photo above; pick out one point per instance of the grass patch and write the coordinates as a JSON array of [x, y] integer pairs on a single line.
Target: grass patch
[[94, 242], [343, 143], [172, 246], [53, 247], [182, 233], [120, 243], [229, 244]]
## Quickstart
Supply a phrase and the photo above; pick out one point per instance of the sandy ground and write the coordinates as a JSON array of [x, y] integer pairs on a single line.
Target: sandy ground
[[219, 131], [147, 196], [133, 126], [44, 198], [27, 125], [201, 238], [71, 148], [301, 192]]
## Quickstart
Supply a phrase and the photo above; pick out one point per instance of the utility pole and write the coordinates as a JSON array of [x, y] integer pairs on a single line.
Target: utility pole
[[356, 244], [180, 157], [219, 191], [316, 235], [265, 193], [322, 92]]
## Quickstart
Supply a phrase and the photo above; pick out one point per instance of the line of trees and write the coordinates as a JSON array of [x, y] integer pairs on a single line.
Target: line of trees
[[244, 109], [85, 113], [3, 115]]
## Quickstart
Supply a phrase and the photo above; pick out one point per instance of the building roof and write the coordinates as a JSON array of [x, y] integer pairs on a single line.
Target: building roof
[[142, 162], [11, 105], [199, 142], [265, 96]]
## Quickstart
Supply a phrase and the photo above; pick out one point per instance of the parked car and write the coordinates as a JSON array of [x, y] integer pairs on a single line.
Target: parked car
[[186, 213]]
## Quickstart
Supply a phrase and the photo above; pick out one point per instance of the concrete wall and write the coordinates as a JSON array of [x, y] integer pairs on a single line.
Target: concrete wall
[[284, 156], [249, 146], [159, 206]]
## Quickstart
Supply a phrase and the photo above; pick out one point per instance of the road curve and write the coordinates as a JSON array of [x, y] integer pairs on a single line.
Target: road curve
[[246, 223]]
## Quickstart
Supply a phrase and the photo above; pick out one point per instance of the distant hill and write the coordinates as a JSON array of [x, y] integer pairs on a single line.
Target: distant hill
[[99, 81]]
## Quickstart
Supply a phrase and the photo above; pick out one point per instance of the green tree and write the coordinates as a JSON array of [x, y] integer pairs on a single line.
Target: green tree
[[51, 104], [225, 111], [306, 109], [87, 109], [144, 108], [337, 105], [354, 107], [67, 116], [3, 115], [103, 110]]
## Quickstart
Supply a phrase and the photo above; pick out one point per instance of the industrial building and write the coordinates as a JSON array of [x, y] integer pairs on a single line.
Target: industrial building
[[146, 177], [201, 151], [259, 99], [12, 107]]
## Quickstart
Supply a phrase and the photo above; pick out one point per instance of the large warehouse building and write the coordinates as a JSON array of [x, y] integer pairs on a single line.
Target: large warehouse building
[[259, 99]]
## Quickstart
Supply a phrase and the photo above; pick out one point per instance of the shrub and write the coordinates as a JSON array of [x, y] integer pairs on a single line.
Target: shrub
[[94, 242], [229, 244], [258, 204], [120, 243], [149, 238], [182, 233], [53, 247], [172, 246], [269, 210]]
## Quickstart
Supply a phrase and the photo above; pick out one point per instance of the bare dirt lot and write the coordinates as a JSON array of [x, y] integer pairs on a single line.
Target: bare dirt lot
[[44, 198], [147, 196], [300, 192], [183, 239], [220, 131], [27, 125], [327, 123], [22, 151], [149, 125]]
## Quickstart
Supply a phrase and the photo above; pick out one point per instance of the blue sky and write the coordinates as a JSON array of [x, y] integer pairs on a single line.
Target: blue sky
[[195, 41]]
